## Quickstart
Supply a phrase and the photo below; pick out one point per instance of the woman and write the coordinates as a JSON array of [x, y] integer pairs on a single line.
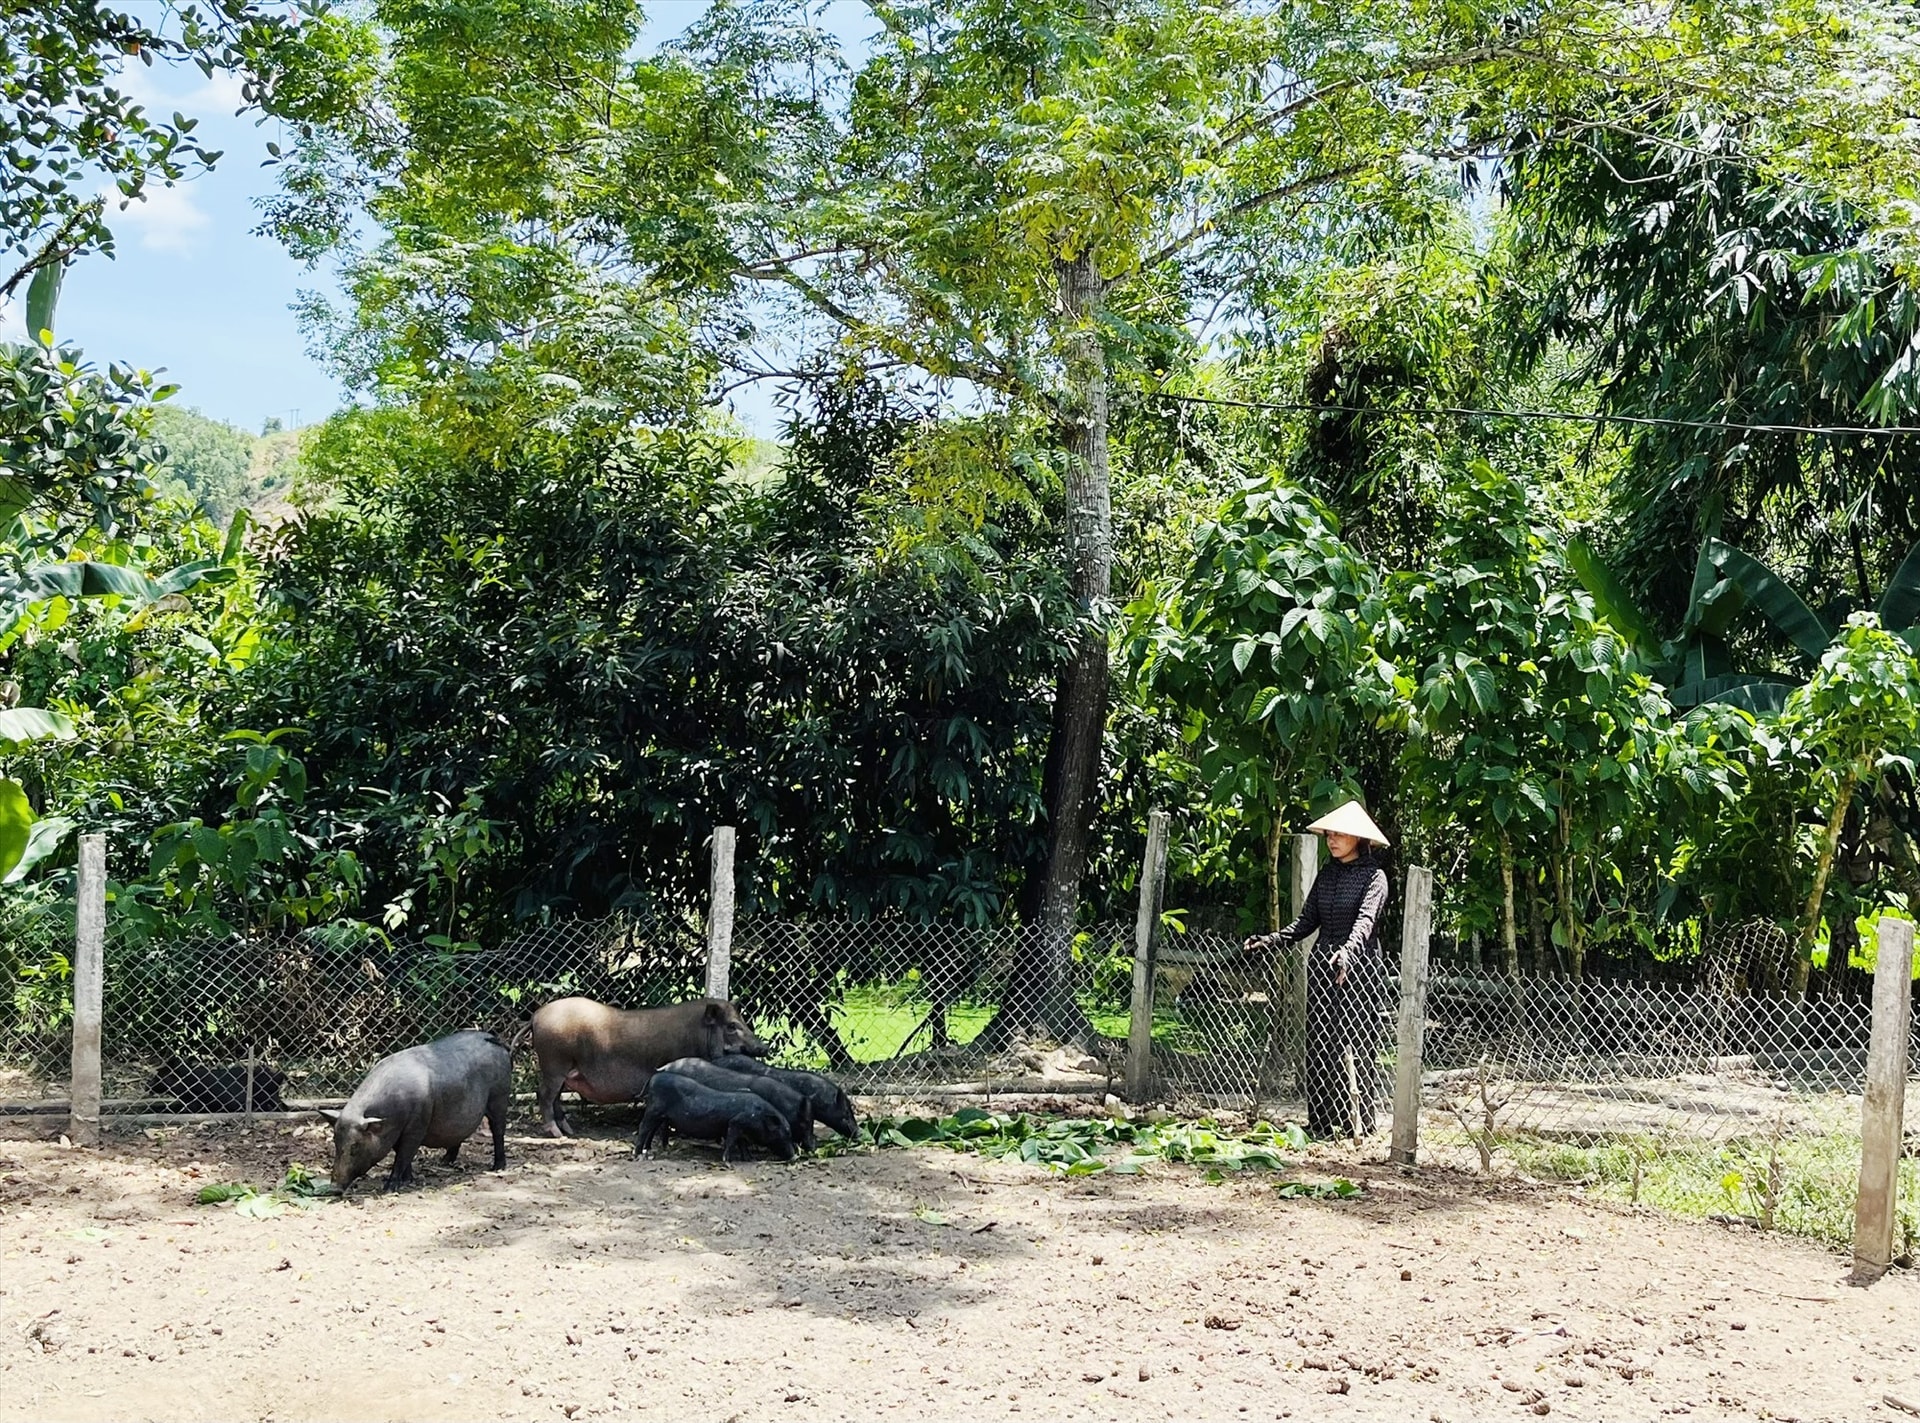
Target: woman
[[1343, 973]]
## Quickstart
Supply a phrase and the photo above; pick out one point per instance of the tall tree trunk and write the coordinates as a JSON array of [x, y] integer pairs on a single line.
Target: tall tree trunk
[[1509, 939], [1276, 843], [1563, 885], [1040, 994], [1822, 868], [1539, 946]]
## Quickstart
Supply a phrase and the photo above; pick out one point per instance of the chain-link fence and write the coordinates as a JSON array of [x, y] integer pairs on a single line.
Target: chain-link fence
[[1711, 1097], [36, 1017], [314, 1009], [1705, 1099], [887, 1006]]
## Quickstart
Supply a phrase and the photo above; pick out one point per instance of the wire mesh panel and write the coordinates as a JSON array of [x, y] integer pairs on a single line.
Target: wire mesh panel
[[892, 1001], [36, 1017], [1699, 1097], [1709, 1095], [315, 1009], [897, 1006]]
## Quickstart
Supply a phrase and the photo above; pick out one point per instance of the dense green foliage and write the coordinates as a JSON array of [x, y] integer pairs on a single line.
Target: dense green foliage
[[1167, 382], [207, 461]]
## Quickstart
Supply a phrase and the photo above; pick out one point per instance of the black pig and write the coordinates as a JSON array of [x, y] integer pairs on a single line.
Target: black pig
[[431, 1095], [830, 1104], [791, 1104], [217, 1086], [676, 1103]]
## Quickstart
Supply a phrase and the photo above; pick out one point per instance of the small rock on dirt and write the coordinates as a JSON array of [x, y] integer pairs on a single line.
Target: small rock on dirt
[[1338, 1386], [1145, 1373]]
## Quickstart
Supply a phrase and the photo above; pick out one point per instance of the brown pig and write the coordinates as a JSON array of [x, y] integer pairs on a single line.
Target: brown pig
[[609, 1054]]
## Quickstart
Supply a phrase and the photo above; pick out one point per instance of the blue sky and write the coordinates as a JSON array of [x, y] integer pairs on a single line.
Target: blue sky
[[193, 290]]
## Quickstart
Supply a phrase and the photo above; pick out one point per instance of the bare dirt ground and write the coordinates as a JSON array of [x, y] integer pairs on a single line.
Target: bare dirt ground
[[921, 1284]]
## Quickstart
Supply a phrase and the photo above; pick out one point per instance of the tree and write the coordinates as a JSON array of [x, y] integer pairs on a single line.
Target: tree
[[603, 647], [77, 462], [68, 128], [208, 458], [1472, 634], [1699, 285], [1023, 201], [1860, 715], [1266, 654]]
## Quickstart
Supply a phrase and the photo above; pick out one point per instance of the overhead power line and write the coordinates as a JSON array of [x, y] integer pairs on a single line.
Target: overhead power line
[[1587, 417]]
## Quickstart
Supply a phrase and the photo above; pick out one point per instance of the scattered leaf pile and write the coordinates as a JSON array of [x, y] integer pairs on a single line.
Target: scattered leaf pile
[[299, 1187], [1085, 1146]]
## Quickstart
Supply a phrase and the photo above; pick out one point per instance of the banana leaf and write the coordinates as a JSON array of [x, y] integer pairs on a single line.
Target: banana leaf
[[1781, 606], [1613, 600], [1749, 692], [1900, 603]]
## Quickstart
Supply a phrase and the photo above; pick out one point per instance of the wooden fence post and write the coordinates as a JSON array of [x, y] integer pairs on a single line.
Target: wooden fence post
[[1883, 1103], [252, 1063], [1146, 941], [89, 971], [1306, 869], [720, 914], [1416, 928]]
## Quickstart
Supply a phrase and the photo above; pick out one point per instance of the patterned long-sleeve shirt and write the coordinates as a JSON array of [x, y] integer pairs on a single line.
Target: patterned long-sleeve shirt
[[1344, 906]]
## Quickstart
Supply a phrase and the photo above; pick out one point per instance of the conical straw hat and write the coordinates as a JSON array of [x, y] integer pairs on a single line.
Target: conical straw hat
[[1350, 819]]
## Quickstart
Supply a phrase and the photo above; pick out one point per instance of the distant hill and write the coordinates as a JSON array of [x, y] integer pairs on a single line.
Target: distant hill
[[758, 461], [272, 472], [222, 467]]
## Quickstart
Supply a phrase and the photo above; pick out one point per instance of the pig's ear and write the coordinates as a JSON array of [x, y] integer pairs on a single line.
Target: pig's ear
[[716, 1013], [328, 1113], [372, 1123]]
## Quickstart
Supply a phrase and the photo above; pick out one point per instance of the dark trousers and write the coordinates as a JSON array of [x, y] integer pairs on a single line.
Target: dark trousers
[[1342, 1018]]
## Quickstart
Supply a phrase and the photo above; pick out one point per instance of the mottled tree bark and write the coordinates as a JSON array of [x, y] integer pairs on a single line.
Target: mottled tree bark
[[1039, 995]]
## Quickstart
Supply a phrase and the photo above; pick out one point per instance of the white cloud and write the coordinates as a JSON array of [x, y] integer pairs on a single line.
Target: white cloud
[[163, 89], [219, 95], [167, 220]]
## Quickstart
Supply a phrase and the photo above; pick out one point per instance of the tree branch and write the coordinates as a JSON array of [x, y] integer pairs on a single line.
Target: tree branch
[[1249, 204], [58, 248], [887, 341]]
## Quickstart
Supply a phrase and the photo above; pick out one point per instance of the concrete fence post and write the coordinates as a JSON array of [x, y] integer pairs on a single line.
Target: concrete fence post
[[89, 974], [1146, 943], [1416, 931], [1883, 1103], [720, 914]]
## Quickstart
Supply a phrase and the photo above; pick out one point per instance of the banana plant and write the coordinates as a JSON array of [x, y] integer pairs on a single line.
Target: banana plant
[[74, 579], [93, 448], [1697, 665], [24, 840]]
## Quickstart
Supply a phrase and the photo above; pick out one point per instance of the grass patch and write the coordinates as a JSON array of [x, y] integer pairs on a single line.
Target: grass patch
[[882, 1021], [1802, 1183]]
